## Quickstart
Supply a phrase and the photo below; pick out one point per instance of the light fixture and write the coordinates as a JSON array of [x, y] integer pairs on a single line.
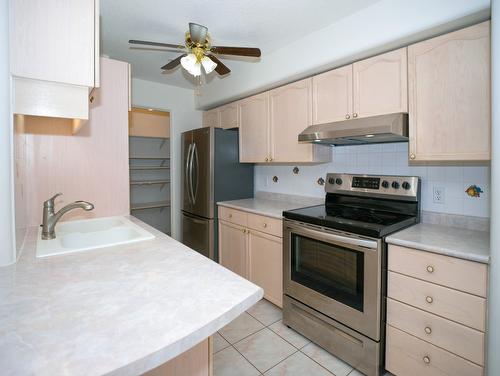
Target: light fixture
[[369, 135], [208, 64], [195, 60]]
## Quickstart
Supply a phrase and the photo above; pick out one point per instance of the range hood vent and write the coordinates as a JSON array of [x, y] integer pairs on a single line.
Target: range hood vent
[[371, 130]]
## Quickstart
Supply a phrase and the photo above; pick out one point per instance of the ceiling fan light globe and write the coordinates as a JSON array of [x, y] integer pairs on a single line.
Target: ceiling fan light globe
[[191, 64], [208, 64]]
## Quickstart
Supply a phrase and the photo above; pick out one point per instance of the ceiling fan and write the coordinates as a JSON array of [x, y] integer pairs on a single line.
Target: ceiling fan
[[199, 52]]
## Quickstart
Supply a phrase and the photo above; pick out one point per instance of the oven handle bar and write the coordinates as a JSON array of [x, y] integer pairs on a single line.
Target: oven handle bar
[[372, 244]]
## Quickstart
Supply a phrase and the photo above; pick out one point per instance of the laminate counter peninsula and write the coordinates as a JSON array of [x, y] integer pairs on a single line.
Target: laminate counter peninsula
[[121, 310]]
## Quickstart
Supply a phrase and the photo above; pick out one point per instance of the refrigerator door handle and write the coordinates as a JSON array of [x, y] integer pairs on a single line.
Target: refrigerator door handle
[[195, 157], [188, 173], [191, 160]]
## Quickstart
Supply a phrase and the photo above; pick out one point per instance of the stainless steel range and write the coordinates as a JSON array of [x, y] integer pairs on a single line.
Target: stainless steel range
[[335, 263]]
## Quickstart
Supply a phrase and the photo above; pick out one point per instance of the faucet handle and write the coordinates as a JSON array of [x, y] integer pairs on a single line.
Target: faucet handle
[[50, 201]]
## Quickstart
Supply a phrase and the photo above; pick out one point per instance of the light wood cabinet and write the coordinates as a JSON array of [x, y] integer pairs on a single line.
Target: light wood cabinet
[[449, 96], [290, 113], [436, 322], [380, 84], [210, 118], [228, 115], [54, 57], [253, 113], [251, 245], [332, 95]]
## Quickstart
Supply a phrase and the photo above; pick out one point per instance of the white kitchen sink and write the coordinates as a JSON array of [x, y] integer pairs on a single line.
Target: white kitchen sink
[[82, 235]]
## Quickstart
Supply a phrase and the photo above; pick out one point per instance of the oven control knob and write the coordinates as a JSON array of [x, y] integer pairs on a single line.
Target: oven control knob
[[338, 181], [385, 184], [395, 185], [406, 185], [331, 181]]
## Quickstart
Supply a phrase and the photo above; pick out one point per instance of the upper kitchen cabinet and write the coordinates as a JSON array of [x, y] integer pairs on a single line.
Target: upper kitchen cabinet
[[211, 118], [253, 118], [54, 56], [332, 95], [290, 113], [228, 115], [449, 96], [380, 84]]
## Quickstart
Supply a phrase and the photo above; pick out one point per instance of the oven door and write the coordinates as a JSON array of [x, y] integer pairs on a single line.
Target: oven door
[[335, 273]]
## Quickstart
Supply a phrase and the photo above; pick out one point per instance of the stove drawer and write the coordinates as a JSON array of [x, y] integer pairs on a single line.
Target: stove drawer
[[458, 306], [410, 356], [443, 270], [456, 338]]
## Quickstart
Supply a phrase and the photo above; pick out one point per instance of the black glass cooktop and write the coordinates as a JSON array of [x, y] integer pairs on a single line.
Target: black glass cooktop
[[363, 221]]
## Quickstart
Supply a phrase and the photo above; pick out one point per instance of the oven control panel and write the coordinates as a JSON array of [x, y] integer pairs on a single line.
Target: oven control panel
[[404, 186]]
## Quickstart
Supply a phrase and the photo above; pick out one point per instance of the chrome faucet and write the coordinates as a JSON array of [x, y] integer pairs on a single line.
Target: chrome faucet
[[50, 218]]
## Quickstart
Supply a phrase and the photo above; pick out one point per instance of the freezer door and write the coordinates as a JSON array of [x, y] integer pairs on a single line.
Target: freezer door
[[202, 172], [197, 234], [186, 150]]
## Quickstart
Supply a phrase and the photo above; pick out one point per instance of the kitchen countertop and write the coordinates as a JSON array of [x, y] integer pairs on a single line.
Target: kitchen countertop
[[120, 310], [268, 207], [450, 241]]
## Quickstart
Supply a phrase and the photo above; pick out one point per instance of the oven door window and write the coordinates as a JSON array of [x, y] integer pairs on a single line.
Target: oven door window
[[332, 270]]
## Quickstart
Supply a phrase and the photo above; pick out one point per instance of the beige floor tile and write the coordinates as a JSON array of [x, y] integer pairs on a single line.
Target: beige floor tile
[[264, 349], [239, 328], [219, 343], [298, 365], [229, 362], [289, 335], [327, 360], [266, 312], [355, 372]]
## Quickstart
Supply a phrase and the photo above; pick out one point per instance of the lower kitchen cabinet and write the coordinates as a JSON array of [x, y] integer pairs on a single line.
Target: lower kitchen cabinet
[[251, 246]]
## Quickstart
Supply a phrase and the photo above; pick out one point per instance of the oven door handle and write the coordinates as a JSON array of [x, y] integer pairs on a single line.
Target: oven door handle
[[372, 244]]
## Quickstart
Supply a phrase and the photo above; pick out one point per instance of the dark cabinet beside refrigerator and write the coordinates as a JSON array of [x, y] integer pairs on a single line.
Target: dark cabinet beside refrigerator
[[211, 172]]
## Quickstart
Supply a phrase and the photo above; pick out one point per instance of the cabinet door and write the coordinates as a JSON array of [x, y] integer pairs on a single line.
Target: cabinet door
[[254, 128], [332, 95], [449, 96], [265, 264], [380, 84], [290, 110], [229, 116], [56, 41], [211, 118], [233, 248]]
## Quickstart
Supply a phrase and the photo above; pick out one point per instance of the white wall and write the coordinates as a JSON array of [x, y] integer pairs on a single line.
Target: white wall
[[493, 360], [7, 249], [387, 159], [180, 103], [385, 25]]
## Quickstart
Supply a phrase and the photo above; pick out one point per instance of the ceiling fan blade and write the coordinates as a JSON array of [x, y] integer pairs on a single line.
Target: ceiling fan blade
[[220, 68], [238, 51], [173, 63], [147, 43], [198, 33]]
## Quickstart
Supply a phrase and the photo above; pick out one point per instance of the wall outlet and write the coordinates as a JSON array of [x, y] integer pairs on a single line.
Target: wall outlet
[[438, 195]]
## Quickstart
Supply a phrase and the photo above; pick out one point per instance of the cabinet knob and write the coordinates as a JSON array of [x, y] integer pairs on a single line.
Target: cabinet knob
[[265, 225], [348, 116], [230, 216], [270, 159], [428, 330], [267, 159], [430, 269], [429, 299], [426, 359], [244, 231], [354, 115], [412, 156]]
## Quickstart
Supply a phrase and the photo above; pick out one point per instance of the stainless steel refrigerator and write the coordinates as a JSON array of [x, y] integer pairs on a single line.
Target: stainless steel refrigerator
[[211, 172]]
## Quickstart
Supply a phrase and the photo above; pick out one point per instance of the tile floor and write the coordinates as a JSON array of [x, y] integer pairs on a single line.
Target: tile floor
[[257, 343]]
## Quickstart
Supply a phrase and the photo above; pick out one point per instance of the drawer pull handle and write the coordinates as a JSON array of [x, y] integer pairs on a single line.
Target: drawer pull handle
[[430, 269], [429, 299], [428, 330], [230, 216], [265, 225], [426, 359]]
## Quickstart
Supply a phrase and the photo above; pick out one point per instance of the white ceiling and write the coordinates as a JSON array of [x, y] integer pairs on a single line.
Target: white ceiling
[[267, 24]]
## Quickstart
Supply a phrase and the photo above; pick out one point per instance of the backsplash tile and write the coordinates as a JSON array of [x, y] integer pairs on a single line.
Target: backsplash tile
[[387, 159]]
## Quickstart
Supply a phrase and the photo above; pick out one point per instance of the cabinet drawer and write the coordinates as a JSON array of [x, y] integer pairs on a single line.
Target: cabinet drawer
[[272, 226], [233, 216], [451, 304], [410, 356], [459, 339], [443, 270]]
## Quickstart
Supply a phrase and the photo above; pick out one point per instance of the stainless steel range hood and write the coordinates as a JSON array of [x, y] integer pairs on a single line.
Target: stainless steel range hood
[[371, 130]]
